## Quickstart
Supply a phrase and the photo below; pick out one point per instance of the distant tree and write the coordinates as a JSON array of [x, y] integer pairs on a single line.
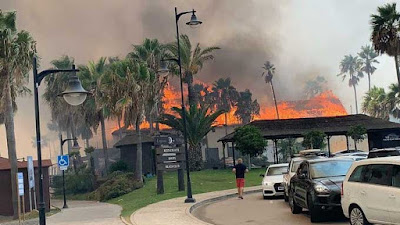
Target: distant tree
[[246, 108], [226, 97], [368, 57], [192, 61], [350, 67], [357, 133], [288, 147], [268, 74], [249, 140], [393, 100], [385, 33], [199, 121], [314, 140], [376, 103], [315, 87]]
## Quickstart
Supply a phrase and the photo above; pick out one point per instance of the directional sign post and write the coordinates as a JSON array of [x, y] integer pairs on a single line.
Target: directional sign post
[[63, 162], [169, 158]]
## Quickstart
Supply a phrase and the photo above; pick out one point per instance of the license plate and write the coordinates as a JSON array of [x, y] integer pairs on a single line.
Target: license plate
[[281, 188]]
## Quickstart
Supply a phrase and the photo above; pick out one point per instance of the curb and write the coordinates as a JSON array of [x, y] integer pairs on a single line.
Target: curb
[[219, 198], [124, 221]]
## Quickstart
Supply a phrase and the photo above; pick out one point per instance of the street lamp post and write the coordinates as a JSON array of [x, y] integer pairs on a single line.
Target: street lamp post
[[76, 146], [193, 22], [75, 94]]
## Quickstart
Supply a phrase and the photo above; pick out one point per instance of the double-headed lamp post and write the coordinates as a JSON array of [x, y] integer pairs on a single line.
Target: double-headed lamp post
[[73, 95], [74, 147], [164, 69]]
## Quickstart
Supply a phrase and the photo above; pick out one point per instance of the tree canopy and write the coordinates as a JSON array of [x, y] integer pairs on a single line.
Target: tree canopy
[[249, 140]]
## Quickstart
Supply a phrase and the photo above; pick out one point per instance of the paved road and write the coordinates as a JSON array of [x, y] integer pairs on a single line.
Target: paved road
[[253, 210], [82, 213]]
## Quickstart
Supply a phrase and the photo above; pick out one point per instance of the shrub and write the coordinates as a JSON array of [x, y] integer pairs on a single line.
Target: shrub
[[119, 166], [118, 184], [75, 183]]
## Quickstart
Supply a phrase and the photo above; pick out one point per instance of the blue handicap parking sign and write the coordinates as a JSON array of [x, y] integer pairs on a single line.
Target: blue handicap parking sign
[[63, 162]]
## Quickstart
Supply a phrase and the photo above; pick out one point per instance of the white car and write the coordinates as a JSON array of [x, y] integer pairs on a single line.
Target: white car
[[273, 179], [371, 191]]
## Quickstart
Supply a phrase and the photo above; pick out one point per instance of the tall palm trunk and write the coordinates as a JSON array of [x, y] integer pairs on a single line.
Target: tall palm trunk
[[195, 157], [369, 81], [104, 140], [191, 92], [276, 105], [139, 153], [119, 127], [396, 60], [226, 123], [355, 97], [12, 152]]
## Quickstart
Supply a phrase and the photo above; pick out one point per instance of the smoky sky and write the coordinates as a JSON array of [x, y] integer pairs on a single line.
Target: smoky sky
[[303, 39]]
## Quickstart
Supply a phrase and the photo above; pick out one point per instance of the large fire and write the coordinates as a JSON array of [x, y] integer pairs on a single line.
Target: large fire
[[325, 104]]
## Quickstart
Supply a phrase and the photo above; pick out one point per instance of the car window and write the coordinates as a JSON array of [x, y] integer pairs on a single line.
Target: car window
[[356, 176], [332, 168], [295, 166], [378, 174], [272, 171], [396, 177]]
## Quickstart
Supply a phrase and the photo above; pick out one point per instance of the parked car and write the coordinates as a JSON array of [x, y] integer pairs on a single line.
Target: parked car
[[356, 156], [272, 183], [384, 152], [294, 164], [371, 191], [316, 186]]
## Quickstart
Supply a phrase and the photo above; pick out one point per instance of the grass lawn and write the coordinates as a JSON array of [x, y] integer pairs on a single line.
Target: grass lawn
[[202, 181]]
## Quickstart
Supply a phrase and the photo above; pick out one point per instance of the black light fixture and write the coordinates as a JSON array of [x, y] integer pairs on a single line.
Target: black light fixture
[[74, 94], [194, 22], [163, 67]]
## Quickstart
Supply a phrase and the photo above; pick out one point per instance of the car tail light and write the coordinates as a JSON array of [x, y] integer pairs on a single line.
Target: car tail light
[[342, 191]]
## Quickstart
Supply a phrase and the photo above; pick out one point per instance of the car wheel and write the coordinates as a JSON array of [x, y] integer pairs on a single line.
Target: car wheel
[[315, 214], [265, 197], [357, 217], [285, 197], [293, 206]]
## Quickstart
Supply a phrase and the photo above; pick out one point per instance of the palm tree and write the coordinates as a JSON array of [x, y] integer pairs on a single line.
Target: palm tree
[[198, 122], [269, 74], [367, 56], [16, 52], [351, 67], [315, 87], [385, 37], [134, 80], [227, 96], [375, 103], [92, 77], [192, 61], [246, 107], [152, 52], [65, 115], [393, 100]]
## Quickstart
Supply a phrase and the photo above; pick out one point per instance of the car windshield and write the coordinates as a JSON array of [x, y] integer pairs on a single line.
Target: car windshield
[[329, 168], [295, 166], [272, 171]]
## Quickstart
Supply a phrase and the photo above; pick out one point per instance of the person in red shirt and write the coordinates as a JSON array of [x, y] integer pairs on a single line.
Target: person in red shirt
[[239, 170]]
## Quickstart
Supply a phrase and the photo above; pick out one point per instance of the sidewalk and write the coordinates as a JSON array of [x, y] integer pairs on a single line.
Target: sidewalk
[[176, 212], [81, 212]]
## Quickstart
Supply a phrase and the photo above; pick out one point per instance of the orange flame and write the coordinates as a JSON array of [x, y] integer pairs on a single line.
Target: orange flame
[[325, 104]]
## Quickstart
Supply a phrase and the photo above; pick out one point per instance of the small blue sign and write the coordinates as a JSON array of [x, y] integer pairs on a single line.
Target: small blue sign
[[63, 162]]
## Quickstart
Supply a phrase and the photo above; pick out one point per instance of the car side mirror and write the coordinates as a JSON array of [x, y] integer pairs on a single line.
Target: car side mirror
[[261, 175], [286, 172]]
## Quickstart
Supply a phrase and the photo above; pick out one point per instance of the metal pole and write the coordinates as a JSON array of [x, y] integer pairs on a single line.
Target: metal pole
[[233, 154], [223, 154], [189, 198], [329, 146], [42, 209], [65, 206]]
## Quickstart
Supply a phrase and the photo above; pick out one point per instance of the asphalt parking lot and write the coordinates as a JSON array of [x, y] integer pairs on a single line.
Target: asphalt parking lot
[[254, 210]]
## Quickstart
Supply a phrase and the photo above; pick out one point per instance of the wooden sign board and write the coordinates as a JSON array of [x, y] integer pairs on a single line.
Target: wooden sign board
[[171, 166], [168, 140], [161, 151], [170, 157]]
